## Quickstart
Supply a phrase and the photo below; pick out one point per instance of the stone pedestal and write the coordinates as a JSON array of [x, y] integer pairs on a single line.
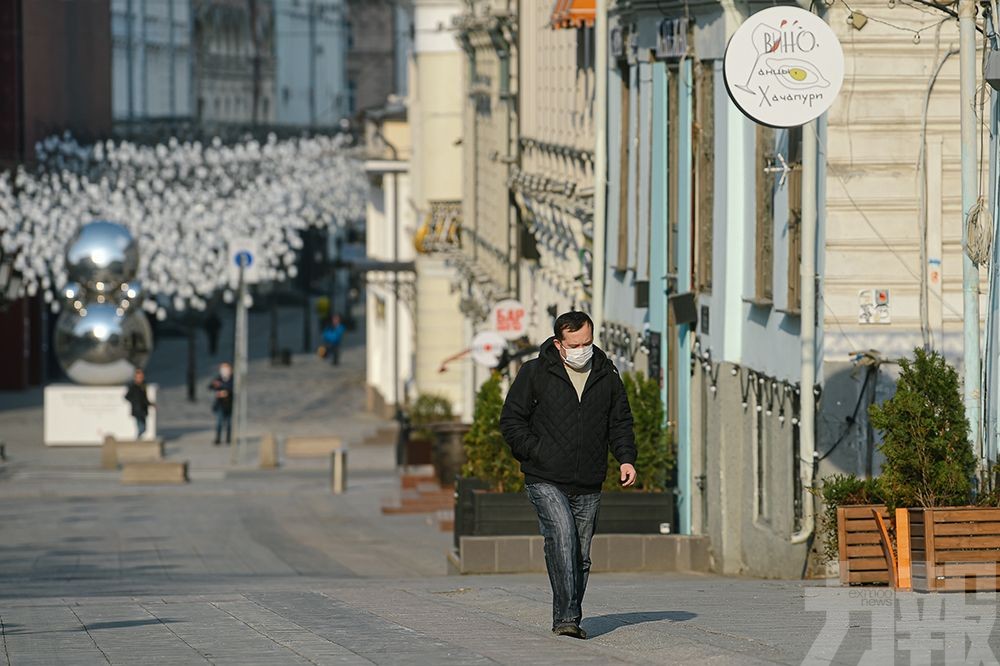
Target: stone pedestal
[[84, 415]]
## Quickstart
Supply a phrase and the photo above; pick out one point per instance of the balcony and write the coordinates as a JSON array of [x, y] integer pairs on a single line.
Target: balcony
[[441, 230]]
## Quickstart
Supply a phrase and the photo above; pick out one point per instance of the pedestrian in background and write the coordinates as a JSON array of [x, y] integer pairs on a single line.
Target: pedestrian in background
[[563, 411], [138, 398], [222, 388], [333, 333]]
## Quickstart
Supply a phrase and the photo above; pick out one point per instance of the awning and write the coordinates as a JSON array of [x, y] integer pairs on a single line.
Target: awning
[[369, 265], [574, 13]]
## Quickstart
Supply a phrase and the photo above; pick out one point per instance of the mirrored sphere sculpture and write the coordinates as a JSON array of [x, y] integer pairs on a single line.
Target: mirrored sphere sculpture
[[101, 336], [102, 343], [102, 255]]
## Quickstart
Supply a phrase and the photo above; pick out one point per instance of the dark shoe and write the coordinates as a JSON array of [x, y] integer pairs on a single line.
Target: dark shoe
[[571, 630], [215, 443]]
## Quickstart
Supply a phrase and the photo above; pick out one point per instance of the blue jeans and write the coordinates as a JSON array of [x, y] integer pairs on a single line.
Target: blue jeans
[[223, 418], [567, 523], [140, 424]]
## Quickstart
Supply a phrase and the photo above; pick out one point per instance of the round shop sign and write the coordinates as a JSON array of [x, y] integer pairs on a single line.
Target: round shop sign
[[784, 67], [509, 319], [487, 348]]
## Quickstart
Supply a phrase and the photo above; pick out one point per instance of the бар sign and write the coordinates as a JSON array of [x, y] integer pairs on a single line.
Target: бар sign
[[784, 67]]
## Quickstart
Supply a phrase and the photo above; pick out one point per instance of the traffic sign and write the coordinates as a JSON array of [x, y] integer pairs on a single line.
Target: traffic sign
[[243, 253]]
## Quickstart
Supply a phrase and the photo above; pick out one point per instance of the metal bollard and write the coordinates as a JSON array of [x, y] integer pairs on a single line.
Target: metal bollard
[[338, 471]]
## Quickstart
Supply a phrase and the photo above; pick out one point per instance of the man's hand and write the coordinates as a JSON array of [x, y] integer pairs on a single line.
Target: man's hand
[[628, 475]]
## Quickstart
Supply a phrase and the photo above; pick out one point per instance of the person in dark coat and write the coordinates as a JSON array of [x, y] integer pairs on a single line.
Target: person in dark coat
[[562, 413], [138, 398], [222, 388]]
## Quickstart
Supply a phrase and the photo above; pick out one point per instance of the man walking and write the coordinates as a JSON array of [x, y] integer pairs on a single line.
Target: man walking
[[562, 412]]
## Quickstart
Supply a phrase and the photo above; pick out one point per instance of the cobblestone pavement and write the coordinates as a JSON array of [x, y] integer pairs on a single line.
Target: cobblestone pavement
[[243, 566]]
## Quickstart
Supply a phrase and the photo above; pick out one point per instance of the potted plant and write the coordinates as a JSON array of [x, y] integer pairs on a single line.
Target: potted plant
[[929, 470], [427, 409], [490, 498], [848, 531]]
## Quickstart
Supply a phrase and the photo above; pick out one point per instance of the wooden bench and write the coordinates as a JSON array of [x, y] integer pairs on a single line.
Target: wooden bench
[[116, 452], [311, 447], [152, 473]]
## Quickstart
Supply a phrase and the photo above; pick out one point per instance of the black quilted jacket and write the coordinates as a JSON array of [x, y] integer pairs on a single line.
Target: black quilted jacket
[[560, 438]]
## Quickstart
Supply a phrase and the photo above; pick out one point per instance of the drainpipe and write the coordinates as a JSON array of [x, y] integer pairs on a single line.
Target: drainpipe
[[970, 273], [807, 336], [600, 167]]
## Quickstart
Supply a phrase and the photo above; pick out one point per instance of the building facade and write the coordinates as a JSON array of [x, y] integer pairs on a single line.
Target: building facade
[[390, 292], [371, 54], [234, 61], [151, 59], [553, 183], [51, 81], [435, 105], [718, 199], [311, 46]]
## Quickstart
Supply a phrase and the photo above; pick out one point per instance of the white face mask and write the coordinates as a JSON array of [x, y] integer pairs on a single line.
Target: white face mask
[[579, 358]]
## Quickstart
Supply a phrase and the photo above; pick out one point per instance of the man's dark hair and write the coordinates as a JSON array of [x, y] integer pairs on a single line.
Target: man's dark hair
[[572, 322]]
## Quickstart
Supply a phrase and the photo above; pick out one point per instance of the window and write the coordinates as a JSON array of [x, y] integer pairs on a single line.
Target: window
[[761, 420], [794, 220], [621, 260], [704, 171], [764, 234]]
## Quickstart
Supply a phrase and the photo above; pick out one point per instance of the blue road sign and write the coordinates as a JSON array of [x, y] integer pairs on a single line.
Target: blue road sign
[[244, 259]]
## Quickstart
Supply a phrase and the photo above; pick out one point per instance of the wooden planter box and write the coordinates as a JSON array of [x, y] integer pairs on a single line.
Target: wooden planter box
[[859, 545], [418, 450], [482, 513], [955, 548]]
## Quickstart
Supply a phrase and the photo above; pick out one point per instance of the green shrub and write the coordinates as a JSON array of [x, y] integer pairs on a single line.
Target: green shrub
[[928, 458], [487, 455], [426, 409], [489, 458], [843, 490], [654, 449]]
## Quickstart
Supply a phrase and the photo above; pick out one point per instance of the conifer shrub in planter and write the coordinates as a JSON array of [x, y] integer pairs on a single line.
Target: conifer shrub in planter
[[490, 498], [929, 469], [848, 531]]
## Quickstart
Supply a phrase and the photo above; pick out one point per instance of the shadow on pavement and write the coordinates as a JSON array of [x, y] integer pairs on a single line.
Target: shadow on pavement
[[605, 624], [15, 630]]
